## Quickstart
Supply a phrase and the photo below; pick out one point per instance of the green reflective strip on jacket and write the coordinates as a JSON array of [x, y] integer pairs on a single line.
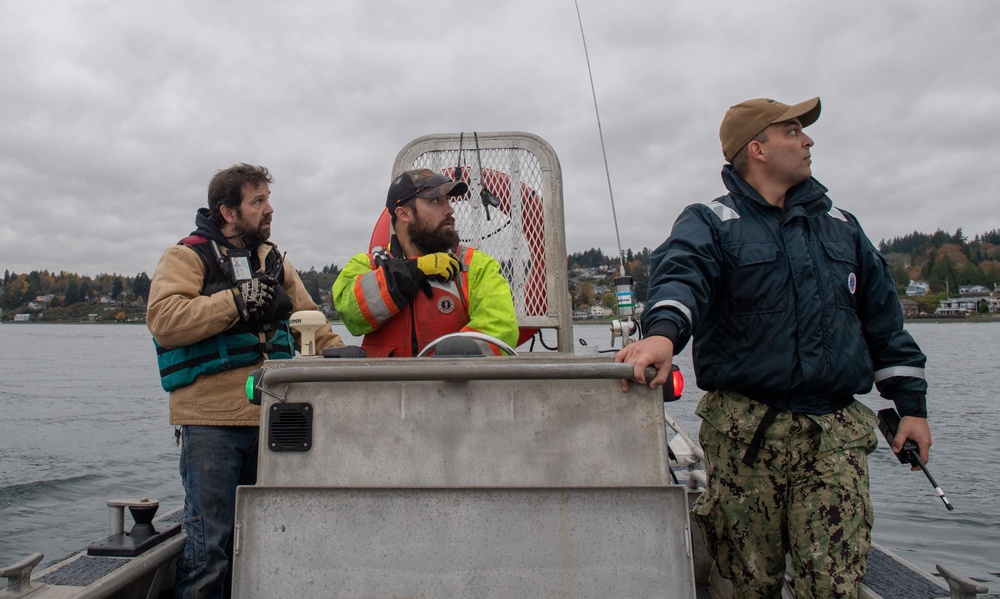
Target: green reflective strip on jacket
[[180, 366]]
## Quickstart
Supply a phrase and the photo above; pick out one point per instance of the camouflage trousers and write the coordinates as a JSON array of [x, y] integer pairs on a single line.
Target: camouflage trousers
[[805, 495]]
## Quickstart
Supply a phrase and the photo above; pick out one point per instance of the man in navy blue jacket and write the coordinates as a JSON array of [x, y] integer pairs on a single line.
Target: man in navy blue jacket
[[792, 312]]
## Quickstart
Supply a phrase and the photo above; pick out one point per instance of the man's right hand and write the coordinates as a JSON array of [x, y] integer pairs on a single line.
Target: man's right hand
[[656, 351], [253, 297], [442, 265], [915, 429]]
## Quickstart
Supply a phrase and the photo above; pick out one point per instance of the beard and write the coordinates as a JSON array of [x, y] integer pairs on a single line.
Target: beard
[[252, 234], [430, 240]]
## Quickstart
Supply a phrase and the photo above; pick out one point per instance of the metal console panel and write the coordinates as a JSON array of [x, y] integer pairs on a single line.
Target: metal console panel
[[459, 543], [379, 424], [496, 477]]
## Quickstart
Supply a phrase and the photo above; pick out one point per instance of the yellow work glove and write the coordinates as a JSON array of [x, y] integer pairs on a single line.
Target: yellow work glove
[[441, 265]]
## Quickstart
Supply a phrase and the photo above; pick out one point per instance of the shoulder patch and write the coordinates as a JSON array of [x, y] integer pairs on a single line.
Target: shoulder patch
[[722, 211]]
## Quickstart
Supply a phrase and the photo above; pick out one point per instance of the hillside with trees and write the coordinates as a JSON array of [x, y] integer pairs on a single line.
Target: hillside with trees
[[592, 274], [69, 297], [945, 261]]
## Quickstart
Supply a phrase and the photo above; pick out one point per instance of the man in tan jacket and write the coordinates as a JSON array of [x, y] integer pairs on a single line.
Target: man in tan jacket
[[219, 303]]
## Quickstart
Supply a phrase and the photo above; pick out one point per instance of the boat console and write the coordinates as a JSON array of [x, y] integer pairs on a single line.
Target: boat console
[[459, 477]]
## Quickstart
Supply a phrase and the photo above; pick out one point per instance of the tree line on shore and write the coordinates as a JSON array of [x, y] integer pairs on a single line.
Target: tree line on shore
[[70, 296], [945, 261]]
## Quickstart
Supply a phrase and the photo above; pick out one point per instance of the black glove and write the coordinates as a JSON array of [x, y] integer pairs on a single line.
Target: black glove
[[403, 278], [420, 278], [253, 297], [280, 307]]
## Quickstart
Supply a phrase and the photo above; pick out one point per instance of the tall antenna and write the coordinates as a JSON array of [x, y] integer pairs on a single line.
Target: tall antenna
[[624, 294], [600, 132]]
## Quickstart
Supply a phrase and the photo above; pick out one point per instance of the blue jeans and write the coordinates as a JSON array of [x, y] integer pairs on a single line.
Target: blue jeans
[[214, 460]]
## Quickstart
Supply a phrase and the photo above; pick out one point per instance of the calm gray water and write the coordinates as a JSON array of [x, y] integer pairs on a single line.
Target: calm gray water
[[83, 419]]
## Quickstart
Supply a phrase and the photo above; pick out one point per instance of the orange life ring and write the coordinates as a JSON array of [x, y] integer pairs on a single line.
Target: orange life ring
[[532, 227]]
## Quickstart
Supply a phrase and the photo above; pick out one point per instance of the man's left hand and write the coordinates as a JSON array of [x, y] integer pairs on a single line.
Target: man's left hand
[[441, 264]]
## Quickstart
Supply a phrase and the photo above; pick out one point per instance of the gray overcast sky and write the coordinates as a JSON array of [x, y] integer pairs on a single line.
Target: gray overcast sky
[[114, 115]]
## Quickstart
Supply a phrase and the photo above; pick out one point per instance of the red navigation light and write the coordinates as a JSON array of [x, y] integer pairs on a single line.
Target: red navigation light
[[676, 387], [678, 381]]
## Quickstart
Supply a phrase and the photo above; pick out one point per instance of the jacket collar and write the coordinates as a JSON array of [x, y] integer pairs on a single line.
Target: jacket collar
[[205, 226], [807, 198]]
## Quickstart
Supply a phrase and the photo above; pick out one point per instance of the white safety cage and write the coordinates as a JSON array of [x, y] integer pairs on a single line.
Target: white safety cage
[[513, 211]]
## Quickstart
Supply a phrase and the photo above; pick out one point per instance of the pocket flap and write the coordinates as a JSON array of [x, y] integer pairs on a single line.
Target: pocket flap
[[841, 251], [748, 254]]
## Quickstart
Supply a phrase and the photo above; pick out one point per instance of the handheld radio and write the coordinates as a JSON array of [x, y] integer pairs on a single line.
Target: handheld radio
[[888, 423]]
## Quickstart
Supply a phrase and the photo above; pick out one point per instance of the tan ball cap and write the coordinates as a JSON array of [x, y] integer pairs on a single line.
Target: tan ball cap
[[745, 120]]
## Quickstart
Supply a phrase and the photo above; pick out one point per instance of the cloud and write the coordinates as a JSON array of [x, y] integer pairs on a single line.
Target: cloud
[[116, 115]]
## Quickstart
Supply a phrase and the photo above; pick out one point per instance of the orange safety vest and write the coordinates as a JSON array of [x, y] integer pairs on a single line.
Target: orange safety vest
[[425, 319]]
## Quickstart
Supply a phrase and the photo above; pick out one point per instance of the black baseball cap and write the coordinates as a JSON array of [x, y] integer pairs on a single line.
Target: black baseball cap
[[422, 183]]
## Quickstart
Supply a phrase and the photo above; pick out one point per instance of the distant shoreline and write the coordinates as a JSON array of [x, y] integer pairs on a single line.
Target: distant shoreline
[[908, 319], [604, 321], [950, 319]]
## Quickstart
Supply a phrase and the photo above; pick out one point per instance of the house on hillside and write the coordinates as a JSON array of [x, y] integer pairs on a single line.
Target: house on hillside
[[918, 288], [956, 307], [910, 307], [973, 290], [600, 311], [41, 301]]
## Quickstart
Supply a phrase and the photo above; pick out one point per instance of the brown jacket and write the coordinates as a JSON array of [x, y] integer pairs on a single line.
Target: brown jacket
[[179, 315]]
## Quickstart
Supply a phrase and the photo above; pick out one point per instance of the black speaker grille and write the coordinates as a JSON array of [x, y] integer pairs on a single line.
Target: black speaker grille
[[289, 427]]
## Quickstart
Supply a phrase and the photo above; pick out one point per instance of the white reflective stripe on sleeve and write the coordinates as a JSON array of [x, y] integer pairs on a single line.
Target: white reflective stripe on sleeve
[[888, 373], [373, 296], [676, 305]]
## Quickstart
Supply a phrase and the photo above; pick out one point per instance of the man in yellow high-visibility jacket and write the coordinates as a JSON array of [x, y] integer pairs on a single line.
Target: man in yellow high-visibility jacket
[[425, 284]]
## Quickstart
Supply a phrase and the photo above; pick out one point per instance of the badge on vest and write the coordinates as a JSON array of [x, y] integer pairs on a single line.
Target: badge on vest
[[241, 267], [446, 305], [852, 283]]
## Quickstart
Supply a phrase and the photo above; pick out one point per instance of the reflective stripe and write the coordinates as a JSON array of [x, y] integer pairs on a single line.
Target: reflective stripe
[[677, 306], [888, 373], [837, 214], [380, 311], [722, 211]]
